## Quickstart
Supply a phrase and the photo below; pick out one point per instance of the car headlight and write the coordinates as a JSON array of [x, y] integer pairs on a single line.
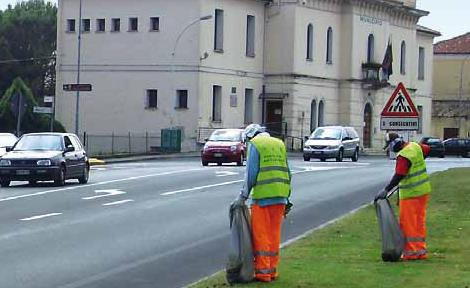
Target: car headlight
[[5, 162], [44, 163], [233, 148], [205, 147]]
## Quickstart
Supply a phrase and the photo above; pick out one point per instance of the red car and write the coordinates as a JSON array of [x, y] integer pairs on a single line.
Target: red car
[[224, 146]]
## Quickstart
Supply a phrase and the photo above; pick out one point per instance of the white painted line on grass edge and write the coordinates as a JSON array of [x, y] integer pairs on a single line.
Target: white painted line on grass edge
[[40, 216], [118, 202]]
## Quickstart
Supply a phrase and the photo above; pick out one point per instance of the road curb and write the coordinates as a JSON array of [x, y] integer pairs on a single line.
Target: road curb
[[95, 161]]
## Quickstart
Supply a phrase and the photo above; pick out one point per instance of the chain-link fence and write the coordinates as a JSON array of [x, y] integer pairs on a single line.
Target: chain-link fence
[[112, 144]]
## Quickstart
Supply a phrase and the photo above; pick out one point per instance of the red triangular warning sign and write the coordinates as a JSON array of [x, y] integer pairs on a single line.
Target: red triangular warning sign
[[400, 104]]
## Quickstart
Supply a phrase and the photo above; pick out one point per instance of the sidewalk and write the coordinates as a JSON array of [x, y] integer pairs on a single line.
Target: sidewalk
[[135, 158]]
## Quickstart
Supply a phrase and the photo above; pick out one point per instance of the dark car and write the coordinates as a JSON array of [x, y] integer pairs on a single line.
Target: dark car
[[43, 157], [436, 145], [224, 146], [457, 146]]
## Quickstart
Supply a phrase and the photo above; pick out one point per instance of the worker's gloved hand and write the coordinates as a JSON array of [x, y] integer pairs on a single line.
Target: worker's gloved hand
[[381, 195], [240, 201], [288, 208]]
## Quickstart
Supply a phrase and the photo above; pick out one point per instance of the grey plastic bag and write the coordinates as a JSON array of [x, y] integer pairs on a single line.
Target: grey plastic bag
[[240, 265], [392, 237]]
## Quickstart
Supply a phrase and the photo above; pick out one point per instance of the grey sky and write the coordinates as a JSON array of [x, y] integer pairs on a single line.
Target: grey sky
[[450, 17]]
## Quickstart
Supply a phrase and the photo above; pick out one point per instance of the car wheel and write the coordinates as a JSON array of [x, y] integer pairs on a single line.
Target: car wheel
[[355, 157], [306, 158], [219, 163], [205, 163], [86, 175], [32, 182], [4, 183], [240, 162], [339, 158], [322, 159], [60, 178], [442, 156]]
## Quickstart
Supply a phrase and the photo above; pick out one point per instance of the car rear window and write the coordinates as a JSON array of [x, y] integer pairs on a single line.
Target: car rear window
[[39, 142], [433, 140], [226, 135]]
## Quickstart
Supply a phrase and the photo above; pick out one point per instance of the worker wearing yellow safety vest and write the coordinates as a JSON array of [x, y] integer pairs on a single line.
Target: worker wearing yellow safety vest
[[267, 179], [414, 188]]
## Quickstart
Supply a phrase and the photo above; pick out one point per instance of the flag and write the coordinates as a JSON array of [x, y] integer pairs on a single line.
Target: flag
[[387, 68]]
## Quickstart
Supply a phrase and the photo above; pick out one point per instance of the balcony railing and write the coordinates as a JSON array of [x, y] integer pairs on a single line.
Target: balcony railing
[[371, 76]]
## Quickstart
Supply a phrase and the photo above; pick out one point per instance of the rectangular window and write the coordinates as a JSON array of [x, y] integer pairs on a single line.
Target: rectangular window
[[152, 99], [133, 24], [182, 99], [216, 103], [155, 24], [100, 25], [421, 63], [248, 106], [70, 25], [420, 119], [250, 36], [86, 27], [115, 25], [219, 30]]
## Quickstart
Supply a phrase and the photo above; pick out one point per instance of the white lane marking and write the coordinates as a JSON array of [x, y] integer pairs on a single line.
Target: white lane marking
[[40, 216], [118, 202], [200, 187], [225, 173], [98, 168], [107, 193], [96, 184]]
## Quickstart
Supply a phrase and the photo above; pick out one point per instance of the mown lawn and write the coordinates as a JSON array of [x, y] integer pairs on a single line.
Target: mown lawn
[[347, 253]]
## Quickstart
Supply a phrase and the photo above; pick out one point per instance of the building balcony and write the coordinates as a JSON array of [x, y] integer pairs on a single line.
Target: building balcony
[[371, 76]]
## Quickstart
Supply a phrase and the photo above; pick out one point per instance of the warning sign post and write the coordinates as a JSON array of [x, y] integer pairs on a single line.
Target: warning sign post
[[400, 112]]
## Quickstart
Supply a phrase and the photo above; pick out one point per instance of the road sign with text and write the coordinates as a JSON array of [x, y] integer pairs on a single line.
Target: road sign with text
[[400, 112], [77, 87]]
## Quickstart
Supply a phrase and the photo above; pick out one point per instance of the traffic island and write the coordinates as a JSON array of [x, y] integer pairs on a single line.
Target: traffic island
[[348, 252]]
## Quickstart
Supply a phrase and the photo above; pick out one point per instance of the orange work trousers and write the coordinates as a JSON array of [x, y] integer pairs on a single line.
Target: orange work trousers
[[266, 224], [413, 226]]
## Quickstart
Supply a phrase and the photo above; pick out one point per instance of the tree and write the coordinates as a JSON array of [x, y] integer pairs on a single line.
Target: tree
[[28, 45], [31, 122]]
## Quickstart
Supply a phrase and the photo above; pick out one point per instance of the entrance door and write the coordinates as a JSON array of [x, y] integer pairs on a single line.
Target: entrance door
[[451, 133], [367, 126], [274, 117]]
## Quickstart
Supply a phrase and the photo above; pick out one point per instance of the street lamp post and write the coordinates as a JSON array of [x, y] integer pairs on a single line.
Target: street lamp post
[[203, 18], [77, 105]]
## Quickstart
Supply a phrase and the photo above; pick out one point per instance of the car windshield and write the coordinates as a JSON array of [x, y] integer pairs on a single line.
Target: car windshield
[[226, 135], [326, 134], [7, 140], [39, 142]]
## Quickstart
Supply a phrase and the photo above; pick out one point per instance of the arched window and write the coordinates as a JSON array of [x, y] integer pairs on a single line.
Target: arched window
[[321, 108], [370, 49], [403, 58], [310, 42], [313, 115], [329, 46]]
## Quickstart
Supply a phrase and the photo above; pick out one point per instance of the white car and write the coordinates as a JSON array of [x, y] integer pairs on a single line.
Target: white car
[[6, 140]]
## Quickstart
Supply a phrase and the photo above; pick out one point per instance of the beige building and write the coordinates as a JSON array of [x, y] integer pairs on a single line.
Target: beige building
[[293, 65], [451, 88]]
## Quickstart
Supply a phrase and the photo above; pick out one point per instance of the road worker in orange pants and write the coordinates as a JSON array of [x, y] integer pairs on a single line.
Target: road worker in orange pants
[[414, 187], [268, 181]]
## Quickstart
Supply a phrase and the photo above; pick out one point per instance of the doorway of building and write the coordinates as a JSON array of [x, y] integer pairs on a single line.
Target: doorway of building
[[451, 133], [273, 121], [367, 135]]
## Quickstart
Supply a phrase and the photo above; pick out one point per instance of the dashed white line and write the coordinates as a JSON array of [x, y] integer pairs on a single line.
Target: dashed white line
[[118, 202], [40, 216]]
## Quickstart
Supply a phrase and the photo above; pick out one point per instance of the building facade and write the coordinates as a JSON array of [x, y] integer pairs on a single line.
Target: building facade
[[292, 65], [451, 88]]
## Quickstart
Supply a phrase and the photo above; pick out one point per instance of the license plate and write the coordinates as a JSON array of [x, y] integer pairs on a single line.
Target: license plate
[[22, 172], [218, 154], [318, 152]]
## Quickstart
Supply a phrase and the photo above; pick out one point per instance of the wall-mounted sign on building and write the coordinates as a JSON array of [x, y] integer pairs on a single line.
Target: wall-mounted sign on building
[[399, 113]]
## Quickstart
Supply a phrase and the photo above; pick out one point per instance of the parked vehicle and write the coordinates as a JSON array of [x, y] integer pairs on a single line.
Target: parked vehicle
[[6, 140], [436, 144], [332, 142], [457, 146], [43, 157], [224, 146]]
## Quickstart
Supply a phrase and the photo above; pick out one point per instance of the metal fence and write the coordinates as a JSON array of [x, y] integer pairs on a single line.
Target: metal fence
[[132, 143]]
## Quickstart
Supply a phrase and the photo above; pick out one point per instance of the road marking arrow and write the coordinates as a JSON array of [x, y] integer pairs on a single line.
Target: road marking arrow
[[107, 193]]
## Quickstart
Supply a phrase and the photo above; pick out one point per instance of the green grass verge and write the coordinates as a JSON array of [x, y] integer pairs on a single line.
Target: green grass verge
[[347, 253]]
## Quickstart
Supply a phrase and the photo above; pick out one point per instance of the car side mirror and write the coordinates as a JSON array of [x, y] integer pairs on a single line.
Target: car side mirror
[[206, 139], [8, 148], [306, 138], [69, 148]]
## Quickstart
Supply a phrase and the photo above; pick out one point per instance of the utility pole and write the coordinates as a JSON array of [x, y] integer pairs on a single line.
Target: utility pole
[[77, 105]]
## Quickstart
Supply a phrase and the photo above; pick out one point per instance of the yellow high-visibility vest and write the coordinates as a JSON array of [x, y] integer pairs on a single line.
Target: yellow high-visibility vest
[[416, 183]]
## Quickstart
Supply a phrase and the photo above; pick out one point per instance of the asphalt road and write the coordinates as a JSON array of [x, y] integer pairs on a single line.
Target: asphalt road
[[159, 223]]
